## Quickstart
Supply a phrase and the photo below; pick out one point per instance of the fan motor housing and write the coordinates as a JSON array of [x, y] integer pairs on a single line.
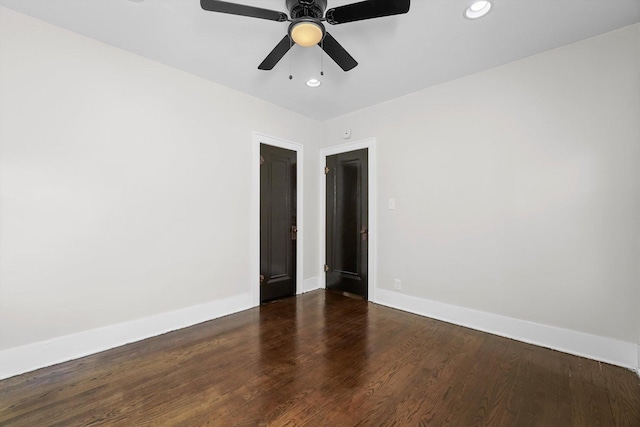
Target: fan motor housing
[[306, 8]]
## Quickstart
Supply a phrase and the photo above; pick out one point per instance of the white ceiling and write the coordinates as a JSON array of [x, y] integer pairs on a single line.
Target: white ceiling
[[397, 55]]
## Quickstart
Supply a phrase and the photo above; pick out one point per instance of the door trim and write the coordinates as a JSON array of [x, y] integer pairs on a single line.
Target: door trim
[[372, 264], [257, 139]]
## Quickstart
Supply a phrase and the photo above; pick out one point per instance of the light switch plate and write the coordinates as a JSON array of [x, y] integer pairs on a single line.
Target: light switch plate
[[392, 203]]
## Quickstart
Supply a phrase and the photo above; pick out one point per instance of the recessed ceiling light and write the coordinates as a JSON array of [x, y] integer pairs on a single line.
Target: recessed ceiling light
[[313, 82], [477, 9]]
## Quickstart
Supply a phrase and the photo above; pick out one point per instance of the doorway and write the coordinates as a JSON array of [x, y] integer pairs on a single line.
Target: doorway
[[253, 276], [278, 224], [348, 238], [347, 222]]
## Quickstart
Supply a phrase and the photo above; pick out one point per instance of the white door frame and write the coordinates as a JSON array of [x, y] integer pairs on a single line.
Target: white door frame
[[259, 138], [372, 264]]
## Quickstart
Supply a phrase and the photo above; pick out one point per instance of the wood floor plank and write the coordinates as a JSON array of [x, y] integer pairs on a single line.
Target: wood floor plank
[[324, 359], [590, 404], [623, 391]]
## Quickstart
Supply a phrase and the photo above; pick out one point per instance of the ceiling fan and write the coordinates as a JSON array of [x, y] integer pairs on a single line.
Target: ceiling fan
[[306, 28]]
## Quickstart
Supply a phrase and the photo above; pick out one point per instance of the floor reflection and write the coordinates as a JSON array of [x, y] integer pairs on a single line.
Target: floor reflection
[[345, 339]]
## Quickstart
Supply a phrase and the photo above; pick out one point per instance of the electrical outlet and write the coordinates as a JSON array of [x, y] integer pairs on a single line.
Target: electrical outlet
[[397, 284]]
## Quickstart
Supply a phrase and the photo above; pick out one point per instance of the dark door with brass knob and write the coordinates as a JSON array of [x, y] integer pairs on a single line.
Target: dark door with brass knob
[[278, 230], [347, 239]]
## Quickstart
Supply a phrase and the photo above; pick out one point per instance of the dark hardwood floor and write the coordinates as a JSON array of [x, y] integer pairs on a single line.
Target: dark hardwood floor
[[324, 359]]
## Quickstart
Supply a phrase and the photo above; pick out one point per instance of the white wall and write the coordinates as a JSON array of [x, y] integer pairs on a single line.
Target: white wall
[[125, 184], [518, 188]]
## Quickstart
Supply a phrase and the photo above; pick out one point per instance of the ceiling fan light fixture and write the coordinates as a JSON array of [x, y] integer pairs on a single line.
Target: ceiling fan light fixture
[[477, 9], [306, 32]]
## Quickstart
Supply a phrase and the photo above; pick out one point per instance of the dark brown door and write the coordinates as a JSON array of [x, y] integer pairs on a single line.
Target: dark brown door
[[277, 223], [347, 222]]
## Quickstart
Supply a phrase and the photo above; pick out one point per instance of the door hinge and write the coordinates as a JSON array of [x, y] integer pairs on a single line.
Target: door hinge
[[261, 160], [326, 268], [261, 278], [326, 170], [364, 233], [294, 232]]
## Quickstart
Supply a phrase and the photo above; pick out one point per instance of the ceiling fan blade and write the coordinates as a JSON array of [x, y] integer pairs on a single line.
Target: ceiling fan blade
[[337, 53], [243, 10], [366, 10], [276, 54]]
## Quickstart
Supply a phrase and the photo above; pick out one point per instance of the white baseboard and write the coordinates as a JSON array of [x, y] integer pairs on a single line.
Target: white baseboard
[[604, 349], [18, 360], [310, 284]]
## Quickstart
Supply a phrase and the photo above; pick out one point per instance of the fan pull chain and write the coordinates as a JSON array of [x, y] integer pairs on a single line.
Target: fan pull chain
[[322, 57], [290, 66]]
